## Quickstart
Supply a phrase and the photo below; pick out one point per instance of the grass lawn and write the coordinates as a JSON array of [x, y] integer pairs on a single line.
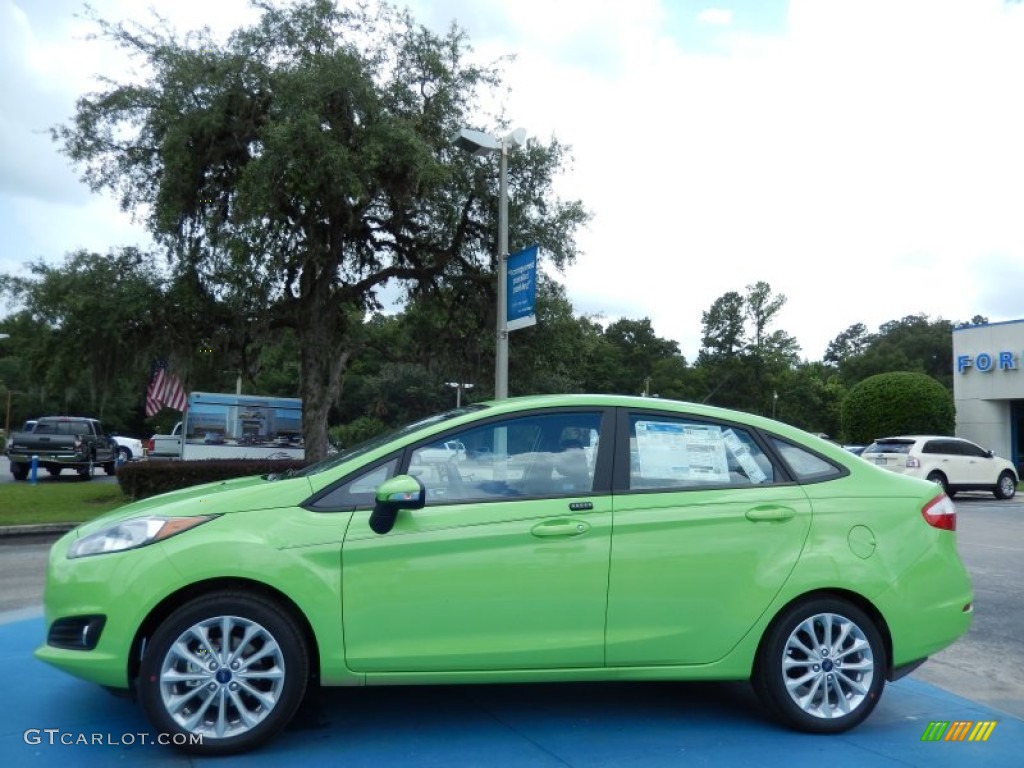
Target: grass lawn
[[70, 501]]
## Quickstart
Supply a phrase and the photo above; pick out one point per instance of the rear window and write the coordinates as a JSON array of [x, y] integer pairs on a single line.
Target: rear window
[[890, 446]]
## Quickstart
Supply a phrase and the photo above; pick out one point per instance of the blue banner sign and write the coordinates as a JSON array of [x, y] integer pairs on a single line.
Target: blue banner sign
[[521, 289]]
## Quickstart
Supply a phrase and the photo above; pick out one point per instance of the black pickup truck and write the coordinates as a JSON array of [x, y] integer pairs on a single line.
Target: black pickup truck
[[63, 442]]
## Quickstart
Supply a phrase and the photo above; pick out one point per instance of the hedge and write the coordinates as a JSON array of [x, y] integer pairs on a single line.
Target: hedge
[[142, 479], [900, 403]]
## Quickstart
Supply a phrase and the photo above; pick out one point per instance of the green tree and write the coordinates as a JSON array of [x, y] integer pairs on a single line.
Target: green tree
[[635, 351], [912, 343], [897, 403], [724, 329], [850, 343], [86, 330], [299, 168], [810, 396], [741, 358]]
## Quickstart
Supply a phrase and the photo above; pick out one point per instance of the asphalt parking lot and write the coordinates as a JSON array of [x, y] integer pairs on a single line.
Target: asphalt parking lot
[[606, 724]]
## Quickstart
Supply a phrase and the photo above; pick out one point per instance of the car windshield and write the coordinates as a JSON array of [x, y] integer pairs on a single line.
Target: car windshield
[[375, 442], [890, 446]]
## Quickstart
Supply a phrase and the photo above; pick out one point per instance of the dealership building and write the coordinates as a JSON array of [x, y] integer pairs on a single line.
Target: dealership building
[[988, 387]]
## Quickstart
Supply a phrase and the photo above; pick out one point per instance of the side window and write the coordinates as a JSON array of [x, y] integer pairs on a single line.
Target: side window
[[943, 447], [970, 449], [805, 465], [680, 453], [528, 457], [357, 492]]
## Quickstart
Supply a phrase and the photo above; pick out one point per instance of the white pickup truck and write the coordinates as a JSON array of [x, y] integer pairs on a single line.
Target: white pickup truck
[[165, 446]]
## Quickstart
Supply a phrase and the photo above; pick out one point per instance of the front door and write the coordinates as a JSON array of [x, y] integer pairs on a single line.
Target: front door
[[506, 567]]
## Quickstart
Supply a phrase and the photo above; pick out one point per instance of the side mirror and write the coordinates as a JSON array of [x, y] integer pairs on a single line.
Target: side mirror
[[989, 454], [400, 492]]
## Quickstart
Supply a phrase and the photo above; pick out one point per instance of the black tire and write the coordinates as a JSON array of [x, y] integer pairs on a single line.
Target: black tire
[[19, 471], [54, 471], [1006, 486], [272, 629], [781, 665], [939, 479]]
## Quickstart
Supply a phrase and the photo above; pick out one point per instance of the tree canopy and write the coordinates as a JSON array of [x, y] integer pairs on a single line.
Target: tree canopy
[[299, 168]]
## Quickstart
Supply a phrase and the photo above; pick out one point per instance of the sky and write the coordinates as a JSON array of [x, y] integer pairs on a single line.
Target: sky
[[863, 157]]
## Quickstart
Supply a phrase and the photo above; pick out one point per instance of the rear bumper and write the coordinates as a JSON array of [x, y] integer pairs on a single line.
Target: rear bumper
[[929, 606]]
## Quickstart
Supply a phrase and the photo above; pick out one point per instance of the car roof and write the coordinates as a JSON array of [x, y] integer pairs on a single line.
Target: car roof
[[919, 437], [496, 407]]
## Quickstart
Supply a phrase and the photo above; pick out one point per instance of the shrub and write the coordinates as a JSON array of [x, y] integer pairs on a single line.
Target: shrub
[[356, 431], [899, 403], [142, 479]]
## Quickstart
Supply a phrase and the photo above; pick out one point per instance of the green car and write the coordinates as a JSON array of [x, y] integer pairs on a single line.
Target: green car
[[562, 538]]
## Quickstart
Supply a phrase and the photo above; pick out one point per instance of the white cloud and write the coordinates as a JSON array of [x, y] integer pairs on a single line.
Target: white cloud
[[719, 17], [867, 161]]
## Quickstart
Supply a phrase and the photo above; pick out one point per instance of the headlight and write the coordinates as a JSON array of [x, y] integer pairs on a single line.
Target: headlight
[[130, 534]]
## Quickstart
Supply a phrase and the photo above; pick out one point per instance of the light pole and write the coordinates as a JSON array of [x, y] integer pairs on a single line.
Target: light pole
[[7, 423], [479, 143]]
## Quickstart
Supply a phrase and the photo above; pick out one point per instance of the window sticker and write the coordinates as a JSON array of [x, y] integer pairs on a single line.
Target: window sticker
[[741, 453], [681, 452]]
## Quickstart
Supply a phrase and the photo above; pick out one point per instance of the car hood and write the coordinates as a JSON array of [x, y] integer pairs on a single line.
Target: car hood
[[242, 494]]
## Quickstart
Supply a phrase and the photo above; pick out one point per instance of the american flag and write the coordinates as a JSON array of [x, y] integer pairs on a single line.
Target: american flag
[[164, 390]]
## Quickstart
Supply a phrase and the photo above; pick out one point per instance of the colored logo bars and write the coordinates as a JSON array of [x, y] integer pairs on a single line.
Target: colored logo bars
[[958, 730]]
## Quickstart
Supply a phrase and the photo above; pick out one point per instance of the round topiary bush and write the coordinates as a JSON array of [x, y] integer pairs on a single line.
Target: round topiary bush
[[897, 404]]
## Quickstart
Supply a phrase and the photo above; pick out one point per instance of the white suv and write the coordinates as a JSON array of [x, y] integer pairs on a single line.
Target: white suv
[[953, 463]]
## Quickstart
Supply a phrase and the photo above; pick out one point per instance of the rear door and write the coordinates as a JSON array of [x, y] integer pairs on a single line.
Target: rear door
[[948, 457], [708, 528]]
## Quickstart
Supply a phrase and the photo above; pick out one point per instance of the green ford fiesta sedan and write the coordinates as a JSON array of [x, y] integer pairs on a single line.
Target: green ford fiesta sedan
[[559, 538]]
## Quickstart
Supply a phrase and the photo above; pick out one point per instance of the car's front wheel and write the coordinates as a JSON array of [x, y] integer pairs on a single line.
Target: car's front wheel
[[224, 673], [1006, 486], [821, 666]]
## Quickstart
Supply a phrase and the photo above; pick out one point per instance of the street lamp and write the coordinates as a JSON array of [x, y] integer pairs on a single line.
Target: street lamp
[[458, 386], [478, 143]]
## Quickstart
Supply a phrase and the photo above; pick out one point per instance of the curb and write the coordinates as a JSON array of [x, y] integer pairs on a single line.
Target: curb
[[42, 529]]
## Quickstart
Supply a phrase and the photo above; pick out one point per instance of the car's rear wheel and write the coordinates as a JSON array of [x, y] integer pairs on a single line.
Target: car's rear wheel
[[19, 471], [1006, 486], [54, 471], [939, 479], [821, 666], [229, 668]]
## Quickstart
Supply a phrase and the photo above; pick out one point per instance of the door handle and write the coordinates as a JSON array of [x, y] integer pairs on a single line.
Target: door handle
[[770, 514], [553, 528]]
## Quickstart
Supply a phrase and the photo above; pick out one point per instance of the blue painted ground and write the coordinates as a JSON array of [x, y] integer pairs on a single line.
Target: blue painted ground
[[604, 724]]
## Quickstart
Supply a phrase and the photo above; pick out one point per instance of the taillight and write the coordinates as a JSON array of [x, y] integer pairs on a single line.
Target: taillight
[[913, 462], [940, 513]]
